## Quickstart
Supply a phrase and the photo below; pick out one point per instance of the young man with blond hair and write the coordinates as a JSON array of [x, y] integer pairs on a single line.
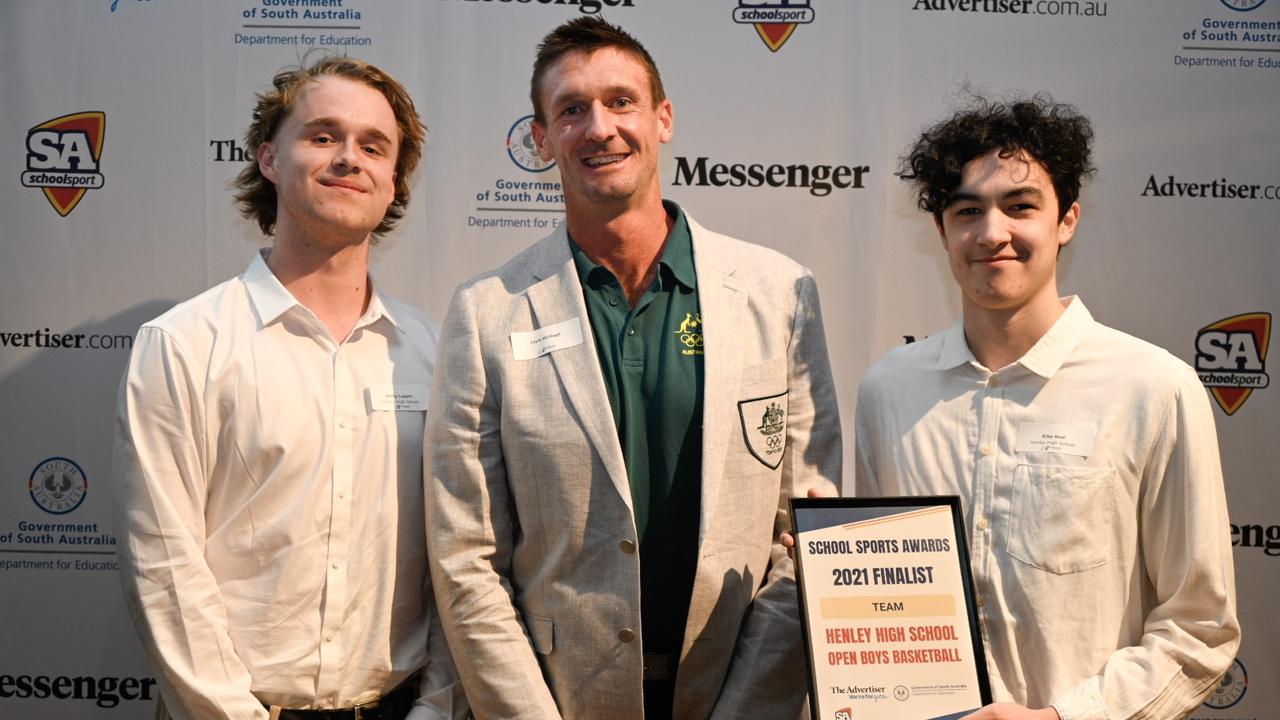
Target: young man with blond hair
[[269, 439]]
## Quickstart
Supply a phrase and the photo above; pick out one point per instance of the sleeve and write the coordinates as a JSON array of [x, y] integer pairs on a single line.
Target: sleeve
[[160, 470], [766, 674], [440, 695], [1191, 633], [866, 482], [470, 531]]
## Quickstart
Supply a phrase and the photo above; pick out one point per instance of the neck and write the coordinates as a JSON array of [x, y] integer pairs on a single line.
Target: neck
[[1000, 337], [628, 242], [330, 281]]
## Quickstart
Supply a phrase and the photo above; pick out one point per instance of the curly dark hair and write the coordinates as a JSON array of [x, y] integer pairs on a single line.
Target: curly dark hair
[[1054, 134], [256, 195], [588, 34]]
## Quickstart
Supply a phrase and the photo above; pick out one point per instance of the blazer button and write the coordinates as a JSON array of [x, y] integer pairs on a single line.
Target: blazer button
[[627, 547], [627, 635]]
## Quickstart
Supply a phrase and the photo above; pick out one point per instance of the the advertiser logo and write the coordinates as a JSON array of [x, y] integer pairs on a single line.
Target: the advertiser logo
[[521, 148], [63, 156], [774, 20], [57, 485], [1231, 356], [1230, 688], [820, 180], [105, 692], [1170, 186]]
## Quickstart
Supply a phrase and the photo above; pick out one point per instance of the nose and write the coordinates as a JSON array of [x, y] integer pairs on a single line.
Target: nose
[[600, 126], [994, 229], [348, 156]]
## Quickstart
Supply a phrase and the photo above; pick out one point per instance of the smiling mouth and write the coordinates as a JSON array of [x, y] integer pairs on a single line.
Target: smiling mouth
[[602, 160], [343, 186]]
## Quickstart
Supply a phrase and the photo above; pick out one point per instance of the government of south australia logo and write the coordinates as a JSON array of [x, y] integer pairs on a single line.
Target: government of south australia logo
[[1230, 688], [774, 20], [58, 485], [690, 334], [1231, 358], [1243, 5], [63, 158], [521, 148], [764, 426]]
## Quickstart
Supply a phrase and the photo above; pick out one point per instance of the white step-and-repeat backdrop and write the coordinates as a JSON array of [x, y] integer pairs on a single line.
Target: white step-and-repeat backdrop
[[121, 125]]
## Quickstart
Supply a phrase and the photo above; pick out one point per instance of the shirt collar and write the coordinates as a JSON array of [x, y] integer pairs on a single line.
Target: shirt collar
[[272, 300], [1044, 358], [1052, 349], [677, 255]]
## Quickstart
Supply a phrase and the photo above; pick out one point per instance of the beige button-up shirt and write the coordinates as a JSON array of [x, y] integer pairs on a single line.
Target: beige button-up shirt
[[270, 512], [1090, 479]]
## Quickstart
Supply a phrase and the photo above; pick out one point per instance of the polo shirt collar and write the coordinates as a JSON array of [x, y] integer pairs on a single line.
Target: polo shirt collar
[[272, 300], [677, 255]]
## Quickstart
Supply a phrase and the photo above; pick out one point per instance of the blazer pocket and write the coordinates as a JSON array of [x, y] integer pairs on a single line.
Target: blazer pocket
[[1063, 518], [541, 633]]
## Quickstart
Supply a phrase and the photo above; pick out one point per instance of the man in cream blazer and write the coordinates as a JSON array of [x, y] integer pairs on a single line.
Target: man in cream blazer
[[563, 462]]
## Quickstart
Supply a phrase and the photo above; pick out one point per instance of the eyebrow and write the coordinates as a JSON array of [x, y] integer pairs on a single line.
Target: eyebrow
[[328, 122], [611, 91], [1023, 191]]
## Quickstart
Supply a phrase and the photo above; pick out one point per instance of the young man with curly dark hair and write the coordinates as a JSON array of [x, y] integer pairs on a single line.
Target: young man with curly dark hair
[[1085, 459], [268, 452]]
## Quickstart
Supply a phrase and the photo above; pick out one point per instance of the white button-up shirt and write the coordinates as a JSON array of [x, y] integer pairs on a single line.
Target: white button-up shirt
[[1089, 475], [270, 512]]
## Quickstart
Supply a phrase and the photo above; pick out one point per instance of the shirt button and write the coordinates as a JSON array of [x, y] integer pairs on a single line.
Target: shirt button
[[980, 603], [335, 566], [993, 382], [613, 301], [986, 448], [632, 331], [627, 635], [342, 496], [982, 523], [627, 547]]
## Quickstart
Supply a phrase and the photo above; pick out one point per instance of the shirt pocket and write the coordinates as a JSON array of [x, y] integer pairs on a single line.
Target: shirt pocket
[[1063, 517]]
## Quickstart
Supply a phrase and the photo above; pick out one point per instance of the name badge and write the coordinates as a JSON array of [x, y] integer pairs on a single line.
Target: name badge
[[536, 343], [1050, 438], [397, 398]]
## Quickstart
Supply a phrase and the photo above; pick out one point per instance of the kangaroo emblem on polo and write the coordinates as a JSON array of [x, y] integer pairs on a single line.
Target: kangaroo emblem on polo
[[690, 333]]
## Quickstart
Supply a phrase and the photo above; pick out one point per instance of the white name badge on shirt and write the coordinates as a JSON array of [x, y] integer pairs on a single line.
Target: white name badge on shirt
[[536, 343], [1051, 438], [397, 398]]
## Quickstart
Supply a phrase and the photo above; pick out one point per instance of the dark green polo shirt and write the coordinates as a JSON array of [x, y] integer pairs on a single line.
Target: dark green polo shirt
[[651, 357]]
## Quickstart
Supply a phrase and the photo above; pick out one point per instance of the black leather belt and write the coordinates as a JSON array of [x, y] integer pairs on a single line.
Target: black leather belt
[[392, 706], [660, 666]]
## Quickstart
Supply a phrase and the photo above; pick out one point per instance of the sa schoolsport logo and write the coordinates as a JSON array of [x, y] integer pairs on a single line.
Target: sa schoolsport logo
[[63, 158], [1230, 358], [774, 20]]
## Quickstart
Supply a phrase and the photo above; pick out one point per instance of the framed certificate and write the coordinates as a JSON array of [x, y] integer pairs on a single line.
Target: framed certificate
[[890, 624]]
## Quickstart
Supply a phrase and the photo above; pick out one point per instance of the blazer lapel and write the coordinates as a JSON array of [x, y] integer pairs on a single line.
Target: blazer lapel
[[556, 296], [722, 301]]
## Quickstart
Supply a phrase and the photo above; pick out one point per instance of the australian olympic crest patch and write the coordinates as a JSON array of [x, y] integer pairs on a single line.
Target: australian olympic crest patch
[[764, 427]]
